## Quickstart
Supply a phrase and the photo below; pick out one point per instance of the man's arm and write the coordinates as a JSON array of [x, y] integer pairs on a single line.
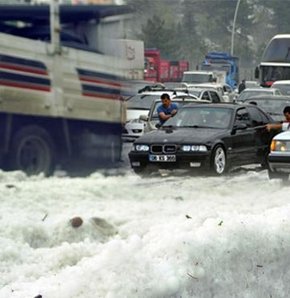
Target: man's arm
[[164, 117], [275, 126]]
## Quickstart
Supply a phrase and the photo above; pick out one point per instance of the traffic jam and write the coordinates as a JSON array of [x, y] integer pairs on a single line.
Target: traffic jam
[[214, 128]]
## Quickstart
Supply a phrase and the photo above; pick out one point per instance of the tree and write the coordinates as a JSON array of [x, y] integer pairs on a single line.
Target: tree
[[281, 12]]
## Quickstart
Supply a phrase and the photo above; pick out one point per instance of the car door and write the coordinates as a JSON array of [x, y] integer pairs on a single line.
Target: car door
[[262, 136], [243, 138]]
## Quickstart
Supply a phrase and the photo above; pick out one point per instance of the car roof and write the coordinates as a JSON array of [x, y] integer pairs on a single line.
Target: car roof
[[188, 98], [210, 85], [218, 105], [258, 89], [281, 82]]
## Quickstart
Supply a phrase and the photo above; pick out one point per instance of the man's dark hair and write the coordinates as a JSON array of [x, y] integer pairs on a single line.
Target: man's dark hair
[[165, 96], [286, 110]]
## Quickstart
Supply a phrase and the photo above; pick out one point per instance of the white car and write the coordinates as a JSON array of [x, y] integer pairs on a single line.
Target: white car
[[213, 89], [283, 86], [279, 156], [138, 105], [250, 92], [133, 129]]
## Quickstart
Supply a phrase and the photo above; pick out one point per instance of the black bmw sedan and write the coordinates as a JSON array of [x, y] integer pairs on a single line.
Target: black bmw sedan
[[213, 137]]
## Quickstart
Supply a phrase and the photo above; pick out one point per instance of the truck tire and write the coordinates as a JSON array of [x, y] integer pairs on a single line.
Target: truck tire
[[32, 151]]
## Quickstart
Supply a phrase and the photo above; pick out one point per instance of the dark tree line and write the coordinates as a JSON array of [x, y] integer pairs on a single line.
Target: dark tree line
[[187, 29]]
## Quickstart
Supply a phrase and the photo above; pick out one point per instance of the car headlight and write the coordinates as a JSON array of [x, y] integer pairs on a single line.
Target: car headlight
[[193, 148], [141, 147], [280, 146]]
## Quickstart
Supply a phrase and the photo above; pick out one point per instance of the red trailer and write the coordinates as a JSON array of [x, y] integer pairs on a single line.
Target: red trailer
[[164, 74], [157, 69], [152, 65]]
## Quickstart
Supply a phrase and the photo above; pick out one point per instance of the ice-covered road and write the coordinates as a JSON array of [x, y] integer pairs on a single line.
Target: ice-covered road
[[164, 236]]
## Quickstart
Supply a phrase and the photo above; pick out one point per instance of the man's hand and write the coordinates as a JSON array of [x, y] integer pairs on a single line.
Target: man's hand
[[271, 126], [173, 112]]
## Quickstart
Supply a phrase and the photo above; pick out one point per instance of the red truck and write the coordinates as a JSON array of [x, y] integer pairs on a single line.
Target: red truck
[[157, 69]]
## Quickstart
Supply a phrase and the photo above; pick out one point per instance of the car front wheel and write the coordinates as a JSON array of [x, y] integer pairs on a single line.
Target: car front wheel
[[277, 175], [219, 161]]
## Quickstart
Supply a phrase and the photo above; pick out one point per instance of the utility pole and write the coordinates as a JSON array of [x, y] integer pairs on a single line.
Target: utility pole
[[234, 27]]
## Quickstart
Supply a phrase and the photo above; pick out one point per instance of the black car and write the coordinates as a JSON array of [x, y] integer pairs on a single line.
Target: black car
[[214, 137]]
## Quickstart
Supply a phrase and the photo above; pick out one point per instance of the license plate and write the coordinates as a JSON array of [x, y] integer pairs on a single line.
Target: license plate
[[165, 158]]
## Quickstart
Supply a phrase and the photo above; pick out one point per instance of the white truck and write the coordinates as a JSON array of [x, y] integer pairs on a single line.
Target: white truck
[[60, 99], [203, 76]]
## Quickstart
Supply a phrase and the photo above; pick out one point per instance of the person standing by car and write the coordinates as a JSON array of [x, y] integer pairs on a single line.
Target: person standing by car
[[167, 109], [285, 125], [242, 86]]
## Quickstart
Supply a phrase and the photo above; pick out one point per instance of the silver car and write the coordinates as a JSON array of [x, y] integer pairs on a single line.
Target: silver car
[[250, 92], [279, 156]]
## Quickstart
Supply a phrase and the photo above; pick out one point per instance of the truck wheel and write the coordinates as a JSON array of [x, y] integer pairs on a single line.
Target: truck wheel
[[32, 151]]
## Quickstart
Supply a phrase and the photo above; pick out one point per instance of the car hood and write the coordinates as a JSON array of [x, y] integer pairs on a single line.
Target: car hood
[[182, 135], [136, 113], [283, 136]]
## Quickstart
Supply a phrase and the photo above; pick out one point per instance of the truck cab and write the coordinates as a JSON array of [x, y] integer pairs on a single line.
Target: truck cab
[[197, 77]]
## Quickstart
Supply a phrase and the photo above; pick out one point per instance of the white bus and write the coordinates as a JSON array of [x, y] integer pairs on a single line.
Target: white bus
[[275, 63]]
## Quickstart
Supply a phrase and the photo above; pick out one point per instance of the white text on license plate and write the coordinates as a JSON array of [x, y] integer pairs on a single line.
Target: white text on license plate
[[166, 158]]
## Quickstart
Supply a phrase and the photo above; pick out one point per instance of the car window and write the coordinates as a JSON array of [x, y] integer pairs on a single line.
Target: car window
[[205, 96], [257, 116], [242, 116], [227, 89], [214, 97]]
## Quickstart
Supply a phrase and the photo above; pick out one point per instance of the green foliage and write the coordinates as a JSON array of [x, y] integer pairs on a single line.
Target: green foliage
[[281, 12], [187, 29]]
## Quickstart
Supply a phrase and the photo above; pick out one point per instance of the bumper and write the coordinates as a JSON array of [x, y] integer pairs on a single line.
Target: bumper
[[183, 161], [279, 162], [130, 137]]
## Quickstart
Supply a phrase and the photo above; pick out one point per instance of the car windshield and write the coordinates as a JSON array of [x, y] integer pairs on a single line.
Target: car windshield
[[154, 115], [249, 93], [271, 106], [203, 117], [195, 92], [141, 101], [252, 84]]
